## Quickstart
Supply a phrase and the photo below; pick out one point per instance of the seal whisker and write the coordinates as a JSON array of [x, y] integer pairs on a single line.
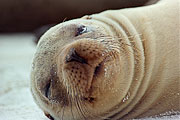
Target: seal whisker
[[74, 98], [62, 117], [72, 95], [82, 106], [134, 48], [78, 106], [71, 102], [80, 103], [91, 116], [119, 38], [64, 19], [77, 101], [67, 86]]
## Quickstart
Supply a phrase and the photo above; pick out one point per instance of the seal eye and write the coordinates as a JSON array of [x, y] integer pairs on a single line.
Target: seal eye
[[47, 90], [82, 29]]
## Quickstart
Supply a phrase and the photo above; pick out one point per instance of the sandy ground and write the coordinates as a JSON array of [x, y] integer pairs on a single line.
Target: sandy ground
[[16, 102]]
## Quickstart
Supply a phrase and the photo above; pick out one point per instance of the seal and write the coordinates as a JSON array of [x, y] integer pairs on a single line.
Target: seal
[[118, 64]]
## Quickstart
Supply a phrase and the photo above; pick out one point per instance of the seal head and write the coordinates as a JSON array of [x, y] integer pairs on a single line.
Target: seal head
[[74, 71]]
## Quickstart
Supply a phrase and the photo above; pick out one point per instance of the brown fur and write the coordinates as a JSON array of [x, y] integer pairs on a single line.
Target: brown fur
[[130, 65]]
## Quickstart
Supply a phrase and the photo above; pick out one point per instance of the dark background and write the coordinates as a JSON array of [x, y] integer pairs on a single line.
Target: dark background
[[28, 15]]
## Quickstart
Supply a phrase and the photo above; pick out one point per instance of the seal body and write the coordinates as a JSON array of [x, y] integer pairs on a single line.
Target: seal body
[[118, 64]]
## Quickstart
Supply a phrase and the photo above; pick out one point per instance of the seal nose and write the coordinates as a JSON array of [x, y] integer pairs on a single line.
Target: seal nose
[[73, 56]]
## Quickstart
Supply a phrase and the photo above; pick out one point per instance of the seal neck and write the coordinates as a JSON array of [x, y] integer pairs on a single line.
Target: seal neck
[[131, 48]]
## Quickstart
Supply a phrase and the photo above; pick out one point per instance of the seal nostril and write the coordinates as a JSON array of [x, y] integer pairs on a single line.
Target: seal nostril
[[73, 56], [49, 116]]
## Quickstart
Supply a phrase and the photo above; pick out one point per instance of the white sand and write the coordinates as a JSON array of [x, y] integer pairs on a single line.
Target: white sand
[[16, 102]]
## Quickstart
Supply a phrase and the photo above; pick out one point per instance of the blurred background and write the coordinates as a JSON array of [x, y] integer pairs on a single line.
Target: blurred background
[[29, 15], [36, 16]]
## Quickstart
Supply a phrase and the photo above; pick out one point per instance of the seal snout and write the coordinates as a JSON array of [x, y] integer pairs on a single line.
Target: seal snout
[[73, 56], [80, 63]]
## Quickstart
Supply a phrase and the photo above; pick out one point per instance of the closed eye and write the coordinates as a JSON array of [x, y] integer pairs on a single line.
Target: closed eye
[[47, 90], [81, 29]]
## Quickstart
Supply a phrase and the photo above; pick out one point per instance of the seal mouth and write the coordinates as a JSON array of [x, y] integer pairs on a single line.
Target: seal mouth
[[97, 69]]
